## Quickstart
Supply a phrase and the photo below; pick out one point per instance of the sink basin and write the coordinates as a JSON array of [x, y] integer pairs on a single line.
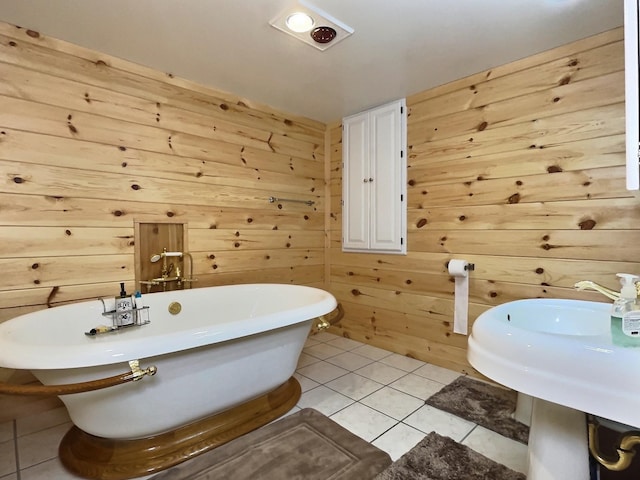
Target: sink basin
[[561, 351]]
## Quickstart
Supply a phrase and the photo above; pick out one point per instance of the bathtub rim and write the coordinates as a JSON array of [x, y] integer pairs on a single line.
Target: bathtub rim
[[131, 344]]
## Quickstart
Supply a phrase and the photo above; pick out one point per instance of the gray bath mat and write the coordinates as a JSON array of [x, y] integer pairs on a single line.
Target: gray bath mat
[[305, 445], [441, 458], [481, 403]]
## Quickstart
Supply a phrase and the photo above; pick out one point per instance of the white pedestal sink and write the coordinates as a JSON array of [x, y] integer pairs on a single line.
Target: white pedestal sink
[[562, 353]]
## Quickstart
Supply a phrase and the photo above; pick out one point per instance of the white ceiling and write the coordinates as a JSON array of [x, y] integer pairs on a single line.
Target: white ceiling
[[399, 47]]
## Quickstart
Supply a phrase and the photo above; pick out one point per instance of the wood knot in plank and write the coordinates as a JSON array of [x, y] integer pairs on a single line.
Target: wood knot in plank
[[515, 198], [565, 80], [587, 224], [72, 128]]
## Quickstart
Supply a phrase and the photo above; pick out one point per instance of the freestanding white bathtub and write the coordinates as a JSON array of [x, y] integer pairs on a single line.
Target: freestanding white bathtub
[[227, 345]]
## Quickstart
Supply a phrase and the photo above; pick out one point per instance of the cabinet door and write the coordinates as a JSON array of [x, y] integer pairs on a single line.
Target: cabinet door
[[386, 179], [355, 191], [632, 109], [374, 180]]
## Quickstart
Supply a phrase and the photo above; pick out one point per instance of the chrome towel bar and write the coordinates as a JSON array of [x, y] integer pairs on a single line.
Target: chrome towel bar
[[276, 199]]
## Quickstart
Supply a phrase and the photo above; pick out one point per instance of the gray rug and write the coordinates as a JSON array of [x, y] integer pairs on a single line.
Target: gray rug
[[305, 445], [309, 446], [481, 403], [441, 458]]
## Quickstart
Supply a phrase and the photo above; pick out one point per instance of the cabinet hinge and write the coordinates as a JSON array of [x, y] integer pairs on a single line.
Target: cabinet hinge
[[401, 241], [401, 153], [401, 109], [402, 197]]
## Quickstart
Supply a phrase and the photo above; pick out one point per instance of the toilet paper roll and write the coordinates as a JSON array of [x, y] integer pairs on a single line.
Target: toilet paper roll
[[459, 270]]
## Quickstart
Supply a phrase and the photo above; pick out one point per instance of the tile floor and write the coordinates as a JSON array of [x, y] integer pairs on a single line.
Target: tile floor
[[376, 394]]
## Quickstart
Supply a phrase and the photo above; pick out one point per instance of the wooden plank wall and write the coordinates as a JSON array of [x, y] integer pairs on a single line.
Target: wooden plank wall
[[520, 170], [89, 143]]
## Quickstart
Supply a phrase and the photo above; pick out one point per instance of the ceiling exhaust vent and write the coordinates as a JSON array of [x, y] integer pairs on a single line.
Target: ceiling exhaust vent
[[313, 26]]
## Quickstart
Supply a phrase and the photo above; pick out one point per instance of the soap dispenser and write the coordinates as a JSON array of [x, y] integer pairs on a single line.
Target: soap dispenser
[[625, 314]]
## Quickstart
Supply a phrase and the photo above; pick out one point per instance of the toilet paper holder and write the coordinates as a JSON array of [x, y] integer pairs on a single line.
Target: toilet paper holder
[[470, 267]]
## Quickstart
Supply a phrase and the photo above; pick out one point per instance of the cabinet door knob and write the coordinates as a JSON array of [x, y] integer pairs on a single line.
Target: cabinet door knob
[[370, 179], [365, 180]]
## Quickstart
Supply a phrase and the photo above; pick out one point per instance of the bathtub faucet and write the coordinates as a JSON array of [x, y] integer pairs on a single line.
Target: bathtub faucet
[[166, 269]]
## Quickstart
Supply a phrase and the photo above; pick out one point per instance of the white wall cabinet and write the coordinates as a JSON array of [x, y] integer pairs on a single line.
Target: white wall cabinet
[[631, 64], [374, 189]]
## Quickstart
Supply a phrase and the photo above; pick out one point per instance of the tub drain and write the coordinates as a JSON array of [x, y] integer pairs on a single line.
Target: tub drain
[[175, 308]]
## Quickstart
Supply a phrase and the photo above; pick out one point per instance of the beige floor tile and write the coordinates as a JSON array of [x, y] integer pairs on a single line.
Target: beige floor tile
[[349, 361], [323, 351], [399, 440], [53, 470], [402, 362], [345, 343], [311, 342], [498, 448], [305, 383], [324, 337], [7, 457], [322, 372], [392, 402], [42, 421], [354, 386], [305, 360], [436, 373], [374, 353], [428, 419], [417, 386], [381, 373], [40, 446], [363, 421], [6, 431], [325, 400]]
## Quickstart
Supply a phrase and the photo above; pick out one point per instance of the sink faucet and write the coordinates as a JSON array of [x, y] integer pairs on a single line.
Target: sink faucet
[[589, 285]]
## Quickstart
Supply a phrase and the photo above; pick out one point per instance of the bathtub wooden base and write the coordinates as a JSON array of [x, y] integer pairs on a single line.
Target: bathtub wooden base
[[100, 458]]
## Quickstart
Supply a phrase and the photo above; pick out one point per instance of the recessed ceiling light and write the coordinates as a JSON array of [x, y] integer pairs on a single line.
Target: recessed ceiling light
[[299, 22], [313, 26]]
